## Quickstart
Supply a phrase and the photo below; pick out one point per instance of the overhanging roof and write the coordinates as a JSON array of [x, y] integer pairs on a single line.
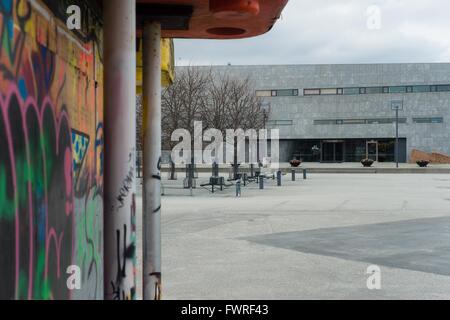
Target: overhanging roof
[[211, 19]]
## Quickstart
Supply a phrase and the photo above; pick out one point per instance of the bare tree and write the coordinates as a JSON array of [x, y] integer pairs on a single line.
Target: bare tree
[[182, 102], [233, 104], [219, 101]]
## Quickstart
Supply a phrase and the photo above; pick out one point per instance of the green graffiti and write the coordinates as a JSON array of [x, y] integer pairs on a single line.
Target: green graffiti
[[42, 285], [25, 174], [7, 206], [23, 288], [88, 235]]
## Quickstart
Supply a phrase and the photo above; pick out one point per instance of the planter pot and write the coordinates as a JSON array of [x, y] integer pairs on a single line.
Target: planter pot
[[367, 163], [295, 163], [423, 163]]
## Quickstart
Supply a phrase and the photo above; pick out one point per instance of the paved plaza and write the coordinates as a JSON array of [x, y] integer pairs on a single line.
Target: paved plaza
[[308, 239]]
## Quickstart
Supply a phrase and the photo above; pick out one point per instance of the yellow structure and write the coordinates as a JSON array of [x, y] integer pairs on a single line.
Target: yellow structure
[[167, 64]]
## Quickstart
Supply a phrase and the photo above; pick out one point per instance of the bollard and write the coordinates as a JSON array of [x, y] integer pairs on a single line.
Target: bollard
[[261, 182], [304, 174], [238, 188], [215, 169], [172, 173], [279, 178], [293, 175]]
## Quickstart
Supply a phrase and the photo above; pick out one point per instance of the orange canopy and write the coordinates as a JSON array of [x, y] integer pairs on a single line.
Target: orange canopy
[[211, 19]]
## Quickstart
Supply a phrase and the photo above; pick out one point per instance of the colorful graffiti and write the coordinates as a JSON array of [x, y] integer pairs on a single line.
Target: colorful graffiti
[[51, 155]]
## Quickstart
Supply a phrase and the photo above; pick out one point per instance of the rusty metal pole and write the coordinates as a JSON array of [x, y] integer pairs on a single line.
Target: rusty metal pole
[[120, 147], [152, 161]]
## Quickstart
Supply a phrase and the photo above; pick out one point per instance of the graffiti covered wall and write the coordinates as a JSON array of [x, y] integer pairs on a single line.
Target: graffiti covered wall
[[51, 154]]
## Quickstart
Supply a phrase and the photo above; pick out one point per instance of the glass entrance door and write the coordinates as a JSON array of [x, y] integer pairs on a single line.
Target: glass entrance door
[[332, 151], [372, 150], [328, 152]]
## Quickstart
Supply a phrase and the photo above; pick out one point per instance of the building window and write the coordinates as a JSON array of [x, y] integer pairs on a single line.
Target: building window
[[328, 91], [374, 90], [399, 89], [351, 91], [370, 90], [263, 93], [284, 122], [421, 89], [280, 123], [429, 120], [287, 93], [311, 92], [443, 88], [353, 121], [359, 121]]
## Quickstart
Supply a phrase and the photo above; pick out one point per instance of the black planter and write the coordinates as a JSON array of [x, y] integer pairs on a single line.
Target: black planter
[[423, 163], [367, 162], [295, 163]]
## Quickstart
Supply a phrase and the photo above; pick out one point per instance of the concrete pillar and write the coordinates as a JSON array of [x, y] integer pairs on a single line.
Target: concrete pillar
[[152, 161], [120, 147]]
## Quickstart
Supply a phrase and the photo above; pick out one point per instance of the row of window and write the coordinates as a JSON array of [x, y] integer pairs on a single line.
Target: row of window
[[277, 93], [280, 123], [377, 121], [377, 90], [354, 90], [429, 120]]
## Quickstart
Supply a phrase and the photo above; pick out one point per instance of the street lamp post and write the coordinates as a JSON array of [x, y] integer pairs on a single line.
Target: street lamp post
[[397, 106]]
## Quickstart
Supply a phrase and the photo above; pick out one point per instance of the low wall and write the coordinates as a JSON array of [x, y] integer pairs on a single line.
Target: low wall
[[433, 157]]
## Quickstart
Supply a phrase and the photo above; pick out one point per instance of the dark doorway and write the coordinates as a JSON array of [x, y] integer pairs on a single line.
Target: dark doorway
[[332, 151]]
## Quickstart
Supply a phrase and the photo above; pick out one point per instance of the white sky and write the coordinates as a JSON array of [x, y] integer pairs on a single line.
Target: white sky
[[336, 31]]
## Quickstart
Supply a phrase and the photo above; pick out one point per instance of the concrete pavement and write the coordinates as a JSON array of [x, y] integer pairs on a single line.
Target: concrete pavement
[[309, 239]]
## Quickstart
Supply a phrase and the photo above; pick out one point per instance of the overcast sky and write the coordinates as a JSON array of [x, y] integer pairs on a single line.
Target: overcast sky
[[337, 31]]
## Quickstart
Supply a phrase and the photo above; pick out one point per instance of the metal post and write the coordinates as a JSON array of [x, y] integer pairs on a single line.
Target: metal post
[[397, 106], [293, 175], [304, 174], [279, 178], [396, 137], [120, 147], [238, 188], [172, 174], [152, 161], [261, 182]]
